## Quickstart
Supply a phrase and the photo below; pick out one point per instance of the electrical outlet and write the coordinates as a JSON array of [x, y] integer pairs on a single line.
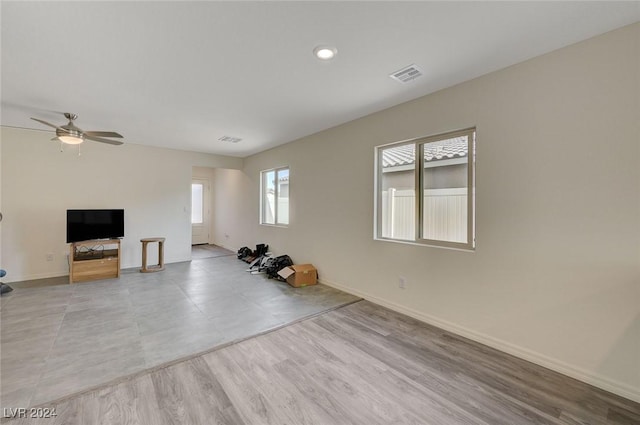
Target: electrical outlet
[[50, 257], [402, 282]]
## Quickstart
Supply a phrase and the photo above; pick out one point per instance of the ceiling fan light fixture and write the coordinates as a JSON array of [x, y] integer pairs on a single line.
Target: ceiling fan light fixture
[[72, 135], [325, 53], [71, 140]]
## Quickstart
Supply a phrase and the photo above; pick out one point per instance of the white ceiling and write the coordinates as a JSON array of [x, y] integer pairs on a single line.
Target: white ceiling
[[183, 74]]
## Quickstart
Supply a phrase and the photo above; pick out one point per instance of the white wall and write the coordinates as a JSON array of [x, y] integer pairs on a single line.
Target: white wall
[[227, 198], [556, 274], [39, 183]]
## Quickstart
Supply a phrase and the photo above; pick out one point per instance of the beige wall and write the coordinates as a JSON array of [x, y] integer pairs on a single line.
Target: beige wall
[[1, 263], [556, 274], [227, 198], [39, 183]]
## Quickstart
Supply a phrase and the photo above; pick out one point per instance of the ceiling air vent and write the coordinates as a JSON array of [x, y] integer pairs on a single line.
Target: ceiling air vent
[[229, 139], [407, 74]]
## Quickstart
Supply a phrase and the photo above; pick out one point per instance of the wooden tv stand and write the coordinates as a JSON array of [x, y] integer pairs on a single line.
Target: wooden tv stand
[[93, 260]]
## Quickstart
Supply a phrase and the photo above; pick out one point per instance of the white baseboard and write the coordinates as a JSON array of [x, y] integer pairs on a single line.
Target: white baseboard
[[47, 275], [226, 247], [20, 278], [602, 382]]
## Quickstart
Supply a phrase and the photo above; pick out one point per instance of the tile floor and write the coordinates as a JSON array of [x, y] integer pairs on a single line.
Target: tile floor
[[60, 339], [209, 251]]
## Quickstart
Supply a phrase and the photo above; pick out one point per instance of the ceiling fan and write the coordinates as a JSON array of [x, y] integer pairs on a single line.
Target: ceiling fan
[[72, 135]]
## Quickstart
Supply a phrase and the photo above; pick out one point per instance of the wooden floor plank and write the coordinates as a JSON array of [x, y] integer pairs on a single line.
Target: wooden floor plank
[[252, 406], [526, 384], [317, 397]]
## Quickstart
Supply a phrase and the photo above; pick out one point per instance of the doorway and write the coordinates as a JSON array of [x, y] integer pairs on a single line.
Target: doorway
[[200, 211]]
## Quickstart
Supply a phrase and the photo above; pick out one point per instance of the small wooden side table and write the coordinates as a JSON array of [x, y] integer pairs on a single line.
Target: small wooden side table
[[160, 265]]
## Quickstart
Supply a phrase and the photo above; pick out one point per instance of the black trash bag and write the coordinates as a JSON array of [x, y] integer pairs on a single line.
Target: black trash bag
[[273, 265], [243, 252]]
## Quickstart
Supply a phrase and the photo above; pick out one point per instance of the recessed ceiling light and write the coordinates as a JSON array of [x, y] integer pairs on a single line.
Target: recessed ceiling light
[[325, 53]]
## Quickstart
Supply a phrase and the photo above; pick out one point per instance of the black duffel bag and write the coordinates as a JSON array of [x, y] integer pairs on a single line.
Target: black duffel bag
[[244, 252]]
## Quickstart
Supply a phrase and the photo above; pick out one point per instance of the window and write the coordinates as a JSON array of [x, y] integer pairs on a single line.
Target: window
[[197, 203], [425, 191], [274, 196]]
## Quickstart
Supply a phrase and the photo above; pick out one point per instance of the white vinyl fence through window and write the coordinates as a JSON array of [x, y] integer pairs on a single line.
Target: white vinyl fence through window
[[444, 214], [283, 209]]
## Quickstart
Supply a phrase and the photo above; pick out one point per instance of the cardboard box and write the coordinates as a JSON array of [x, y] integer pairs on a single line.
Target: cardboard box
[[300, 275]]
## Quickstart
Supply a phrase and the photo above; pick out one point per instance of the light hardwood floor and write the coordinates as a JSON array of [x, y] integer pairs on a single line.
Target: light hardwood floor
[[359, 364]]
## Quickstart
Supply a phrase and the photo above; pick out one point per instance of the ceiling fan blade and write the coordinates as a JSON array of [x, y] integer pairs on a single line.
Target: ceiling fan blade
[[101, 140], [49, 124], [102, 134]]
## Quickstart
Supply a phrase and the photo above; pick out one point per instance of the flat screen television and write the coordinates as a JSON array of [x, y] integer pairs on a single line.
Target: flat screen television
[[84, 225]]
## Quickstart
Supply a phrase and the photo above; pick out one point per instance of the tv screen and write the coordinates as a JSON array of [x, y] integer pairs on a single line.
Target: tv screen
[[84, 225]]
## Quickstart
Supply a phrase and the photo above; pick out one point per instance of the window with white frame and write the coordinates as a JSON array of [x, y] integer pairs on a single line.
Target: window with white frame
[[425, 190], [274, 196], [197, 203]]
